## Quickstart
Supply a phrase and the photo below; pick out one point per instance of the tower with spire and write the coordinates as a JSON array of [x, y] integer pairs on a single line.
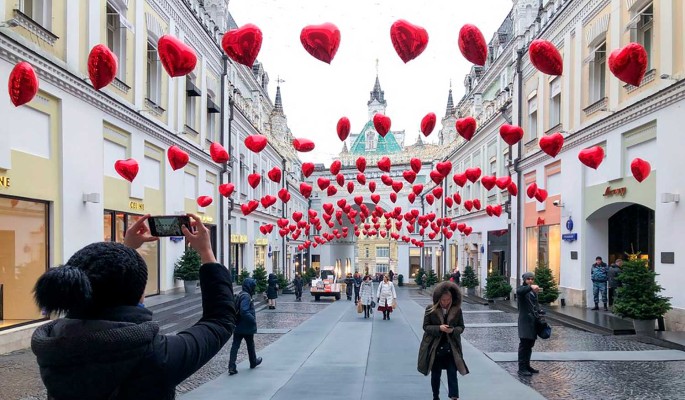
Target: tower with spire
[[448, 133]]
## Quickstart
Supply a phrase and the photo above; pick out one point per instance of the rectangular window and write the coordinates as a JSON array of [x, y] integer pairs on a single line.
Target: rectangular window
[[243, 175], [154, 75], [192, 92], [382, 251], [645, 32], [112, 153], [211, 121], [190, 185], [151, 173], [382, 268], [532, 119], [116, 40], [40, 11], [555, 103]]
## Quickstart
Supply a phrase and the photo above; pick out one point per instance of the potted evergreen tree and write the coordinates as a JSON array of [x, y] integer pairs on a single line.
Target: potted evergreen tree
[[638, 296], [260, 276], [545, 279], [187, 269], [497, 287], [418, 278], [431, 278], [469, 280], [244, 274]]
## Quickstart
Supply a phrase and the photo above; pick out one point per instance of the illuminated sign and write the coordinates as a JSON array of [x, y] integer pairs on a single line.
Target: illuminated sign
[[5, 181], [136, 205]]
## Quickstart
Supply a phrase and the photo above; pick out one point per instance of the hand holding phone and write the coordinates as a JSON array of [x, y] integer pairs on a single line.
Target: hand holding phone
[[138, 233], [168, 225], [197, 235]]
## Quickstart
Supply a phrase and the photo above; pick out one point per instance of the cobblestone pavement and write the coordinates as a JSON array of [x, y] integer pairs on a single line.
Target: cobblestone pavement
[[20, 379]]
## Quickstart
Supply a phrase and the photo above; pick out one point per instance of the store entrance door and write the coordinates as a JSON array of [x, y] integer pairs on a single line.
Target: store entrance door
[[631, 231]]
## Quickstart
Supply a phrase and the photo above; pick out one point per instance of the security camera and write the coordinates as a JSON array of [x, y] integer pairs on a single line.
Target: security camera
[[557, 203]]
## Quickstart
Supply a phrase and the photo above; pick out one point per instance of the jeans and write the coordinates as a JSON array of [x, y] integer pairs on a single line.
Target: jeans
[[249, 341], [612, 295], [298, 293], [598, 287], [525, 351], [452, 383], [367, 310]]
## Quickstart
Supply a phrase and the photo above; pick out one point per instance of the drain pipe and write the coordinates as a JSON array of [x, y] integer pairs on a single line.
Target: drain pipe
[[284, 175], [517, 169], [224, 166]]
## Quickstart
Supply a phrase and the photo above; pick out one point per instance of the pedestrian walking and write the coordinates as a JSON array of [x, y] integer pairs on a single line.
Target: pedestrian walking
[[272, 290], [456, 275], [246, 327], [107, 347], [349, 281], [599, 276], [357, 285], [366, 296], [612, 279], [529, 309], [298, 282], [443, 324], [386, 297]]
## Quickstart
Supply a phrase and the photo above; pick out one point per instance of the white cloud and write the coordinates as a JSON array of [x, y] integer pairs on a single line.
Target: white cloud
[[315, 94]]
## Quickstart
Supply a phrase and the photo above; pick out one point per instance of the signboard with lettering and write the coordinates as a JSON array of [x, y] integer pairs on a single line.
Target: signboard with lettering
[[569, 237], [4, 181], [614, 192], [262, 242], [235, 238], [136, 205]]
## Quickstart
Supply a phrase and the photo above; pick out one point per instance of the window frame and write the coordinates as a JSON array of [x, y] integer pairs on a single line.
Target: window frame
[[118, 43], [154, 75]]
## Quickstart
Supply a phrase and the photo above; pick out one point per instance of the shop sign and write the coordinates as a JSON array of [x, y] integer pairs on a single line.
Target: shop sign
[[614, 192], [569, 237], [5, 181], [206, 219], [136, 205], [262, 242], [235, 238]]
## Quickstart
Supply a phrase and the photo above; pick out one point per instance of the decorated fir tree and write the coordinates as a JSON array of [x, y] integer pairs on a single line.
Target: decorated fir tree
[[259, 275], [545, 279], [431, 278], [469, 280], [187, 268], [496, 285], [638, 297], [419, 276], [244, 274]]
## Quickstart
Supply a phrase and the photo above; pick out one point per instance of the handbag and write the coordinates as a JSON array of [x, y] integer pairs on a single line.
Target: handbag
[[394, 304], [359, 308], [373, 304], [542, 328]]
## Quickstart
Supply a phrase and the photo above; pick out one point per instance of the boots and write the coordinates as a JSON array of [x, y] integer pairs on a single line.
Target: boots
[[232, 370], [532, 370], [596, 307], [605, 307], [257, 362]]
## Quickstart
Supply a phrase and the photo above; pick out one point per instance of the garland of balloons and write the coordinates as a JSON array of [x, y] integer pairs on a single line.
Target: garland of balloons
[[243, 44]]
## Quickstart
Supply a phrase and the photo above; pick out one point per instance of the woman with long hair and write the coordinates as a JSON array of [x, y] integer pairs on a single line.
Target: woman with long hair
[[366, 295], [386, 297], [443, 324]]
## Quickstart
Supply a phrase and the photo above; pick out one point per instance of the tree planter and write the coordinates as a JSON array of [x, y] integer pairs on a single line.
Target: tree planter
[[471, 291], [644, 327], [190, 286]]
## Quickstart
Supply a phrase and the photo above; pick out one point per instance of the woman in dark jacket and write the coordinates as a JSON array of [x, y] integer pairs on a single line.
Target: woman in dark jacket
[[107, 347], [443, 324], [246, 328], [528, 306], [272, 290], [298, 282]]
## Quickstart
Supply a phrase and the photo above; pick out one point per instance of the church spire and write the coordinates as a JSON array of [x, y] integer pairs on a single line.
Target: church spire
[[344, 149], [450, 102], [278, 104]]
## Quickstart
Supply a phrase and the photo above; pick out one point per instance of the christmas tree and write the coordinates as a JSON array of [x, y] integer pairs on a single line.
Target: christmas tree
[[419, 276], [638, 297], [496, 285], [469, 280], [545, 279], [187, 268], [431, 278], [259, 275], [244, 274]]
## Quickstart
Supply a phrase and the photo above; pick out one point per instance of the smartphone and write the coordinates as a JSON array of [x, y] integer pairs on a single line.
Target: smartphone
[[168, 225]]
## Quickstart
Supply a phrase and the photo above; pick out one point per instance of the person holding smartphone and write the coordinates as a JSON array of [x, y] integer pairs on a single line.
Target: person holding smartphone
[[527, 299], [108, 347]]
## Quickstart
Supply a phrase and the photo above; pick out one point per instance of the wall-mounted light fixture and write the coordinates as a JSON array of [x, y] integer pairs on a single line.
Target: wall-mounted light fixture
[[91, 198], [670, 197]]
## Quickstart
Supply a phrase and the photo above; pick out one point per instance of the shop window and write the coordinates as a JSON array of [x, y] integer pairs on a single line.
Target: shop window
[[23, 258], [259, 256], [116, 39], [543, 247], [154, 75]]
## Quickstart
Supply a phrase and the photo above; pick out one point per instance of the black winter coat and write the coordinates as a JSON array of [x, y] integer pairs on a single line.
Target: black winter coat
[[119, 353], [247, 319], [528, 306], [272, 288]]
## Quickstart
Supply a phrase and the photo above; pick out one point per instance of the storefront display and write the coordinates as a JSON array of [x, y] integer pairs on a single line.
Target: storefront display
[[543, 247]]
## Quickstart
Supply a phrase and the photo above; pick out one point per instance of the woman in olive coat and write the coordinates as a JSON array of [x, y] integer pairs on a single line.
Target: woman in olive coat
[[443, 324]]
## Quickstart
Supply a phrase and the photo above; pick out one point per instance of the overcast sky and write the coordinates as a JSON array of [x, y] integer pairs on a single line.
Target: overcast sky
[[315, 94]]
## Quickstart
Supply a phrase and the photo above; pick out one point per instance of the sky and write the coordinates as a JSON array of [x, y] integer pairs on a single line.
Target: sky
[[315, 94]]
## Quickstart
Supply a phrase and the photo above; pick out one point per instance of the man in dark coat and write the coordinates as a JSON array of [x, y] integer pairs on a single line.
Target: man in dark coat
[[349, 281], [298, 282], [357, 286], [272, 290], [108, 347], [599, 275], [527, 299], [612, 279], [246, 327]]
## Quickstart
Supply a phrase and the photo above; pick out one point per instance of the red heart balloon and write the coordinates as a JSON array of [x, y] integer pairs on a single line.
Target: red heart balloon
[[545, 57], [340, 178], [343, 128], [226, 189], [323, 183], [468, 230], [449, 202], [411, 197], [361, 178], [552, 144], [321, 41], [386, 179], [444, 168], [297, 216], [531, 190], [393, 197], [384, 164], [513, 189], [358, 200], [592, 157], [268, 200], [361, 164], [466, 127], [177, 157], [382, 124], [629, 64], [307, 169], [263, 229], [430, 199], [375, 198], [415, 164], [177, 58], [476, 204], [372, 186], [102, 66], [253, 180], [428, 124], [409, 40], [397, 186], [437, 192], [275, 174], [218, 153], [473, 174], [640, 169], [409, 176], [461, 227], [417, 189], [488, 182], [488, 210], [303, 145], [243, 44], [23, 84], [256, 143], [459, 179], [436, 177], [350, 187], [541, 195], [497, 210], [503, 182], [468, 205], [128, 169], [472, 44], [331, 191], [457, 198], [511, 134], [204, 201]]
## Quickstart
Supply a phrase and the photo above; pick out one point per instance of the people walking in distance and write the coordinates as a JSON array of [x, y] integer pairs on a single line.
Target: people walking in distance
[[357, 285], [366, 295], [599, 276], [456, 276], [527, 299], [272, 290], [613, 281], [246, 327], [386, 297], [107, 347], [443, 324], [423, 281], [349, 282], [391, 275], [298, 282]]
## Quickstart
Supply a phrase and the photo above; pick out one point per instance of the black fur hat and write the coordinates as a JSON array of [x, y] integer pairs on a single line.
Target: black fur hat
[[100, 275]]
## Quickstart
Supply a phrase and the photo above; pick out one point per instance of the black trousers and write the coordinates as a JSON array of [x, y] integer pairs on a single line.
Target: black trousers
[[452, 383], [612, 295], [249, 341], [356, 294], [367, 310], [298, 293], [525, 351]]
